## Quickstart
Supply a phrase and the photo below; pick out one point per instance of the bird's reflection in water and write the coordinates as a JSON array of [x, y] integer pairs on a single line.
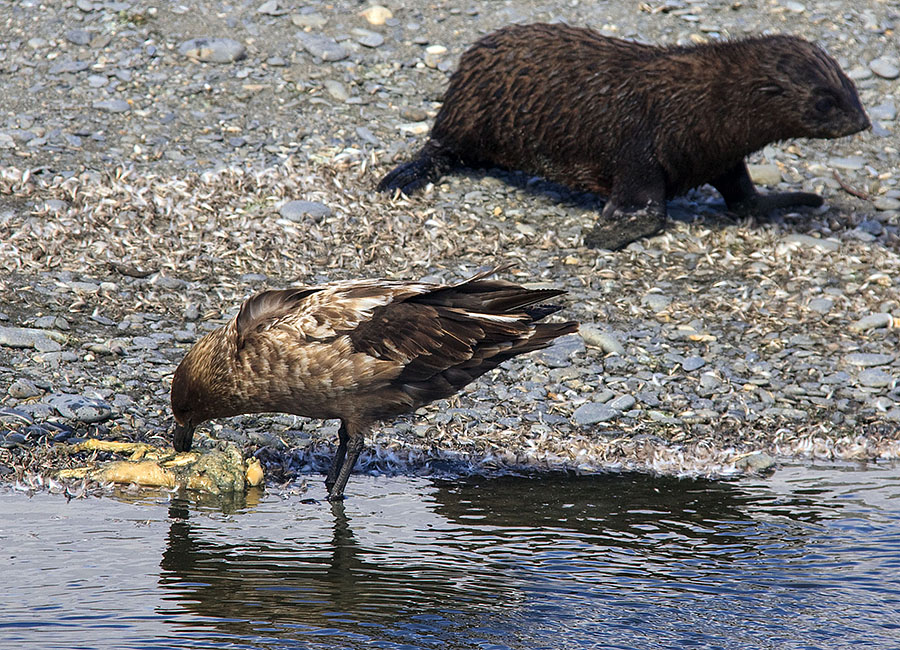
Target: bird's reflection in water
[[461, 568], [318, 586]]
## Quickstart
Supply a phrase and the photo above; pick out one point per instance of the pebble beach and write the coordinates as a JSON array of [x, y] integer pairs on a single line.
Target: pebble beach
[[160, 162]]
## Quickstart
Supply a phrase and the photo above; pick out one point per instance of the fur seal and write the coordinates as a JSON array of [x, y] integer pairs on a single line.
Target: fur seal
[[636, 123]]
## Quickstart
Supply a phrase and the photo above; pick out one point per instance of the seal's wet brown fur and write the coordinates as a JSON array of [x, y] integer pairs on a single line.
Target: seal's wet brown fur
[[359, 351], [634, 122]]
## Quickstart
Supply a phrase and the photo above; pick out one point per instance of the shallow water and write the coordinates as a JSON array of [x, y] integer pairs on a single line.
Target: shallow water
[[806, 558]]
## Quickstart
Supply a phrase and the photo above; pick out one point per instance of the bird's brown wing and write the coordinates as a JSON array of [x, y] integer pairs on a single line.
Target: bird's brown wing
[[444, 348]]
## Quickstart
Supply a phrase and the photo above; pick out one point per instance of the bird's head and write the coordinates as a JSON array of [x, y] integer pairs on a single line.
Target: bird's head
[[199, 390]]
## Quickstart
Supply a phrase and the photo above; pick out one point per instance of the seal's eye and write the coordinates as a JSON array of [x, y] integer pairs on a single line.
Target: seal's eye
[[824, 104]]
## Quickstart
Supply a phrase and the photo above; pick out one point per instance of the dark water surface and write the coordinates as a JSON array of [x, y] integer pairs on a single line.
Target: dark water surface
[[807, 558]]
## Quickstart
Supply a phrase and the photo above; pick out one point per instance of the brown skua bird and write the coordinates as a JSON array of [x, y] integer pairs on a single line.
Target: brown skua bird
[[359, 351]]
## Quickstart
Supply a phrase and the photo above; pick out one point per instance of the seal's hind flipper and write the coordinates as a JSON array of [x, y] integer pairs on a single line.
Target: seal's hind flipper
[[430, 163], [407, 177]]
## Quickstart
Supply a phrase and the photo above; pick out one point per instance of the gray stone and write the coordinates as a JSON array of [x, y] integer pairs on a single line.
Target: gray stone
[[312, 20], [801, 241], [112, 105], [622, 403], [862, 235], [656, 301], [881, 403], [213, 50], [80, 408], [79, 36], [757, 461], [821, 305], [23, 389], [322, 47], [368, 38], [852, 163], [887, 67], [604, 340], [886, 203], [271, 8], [871, 322], [298, 210], [664, 418], [859, 73], [38, 410], [167, 281], [875, 378], [336, 89], [594, 413], [693, 363], [793, 414], [55, 205], [868, 360], [184, 336], [145, 343], [885, 112], [47, 345], [836, 378], [871, 226], [559, 355], [24, 337], [368, 136], [64, 67], [648, 397], [708, 381], [52, 322], [12, 439]]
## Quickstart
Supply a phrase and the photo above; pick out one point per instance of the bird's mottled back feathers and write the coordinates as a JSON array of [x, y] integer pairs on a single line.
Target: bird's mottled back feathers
[[318, 313], [266, 308]]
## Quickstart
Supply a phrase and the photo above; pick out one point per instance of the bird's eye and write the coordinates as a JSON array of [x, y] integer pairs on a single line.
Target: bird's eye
[[824, 104]]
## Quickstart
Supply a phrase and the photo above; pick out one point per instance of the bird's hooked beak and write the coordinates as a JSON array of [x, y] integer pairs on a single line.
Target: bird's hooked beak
[[183, 436]]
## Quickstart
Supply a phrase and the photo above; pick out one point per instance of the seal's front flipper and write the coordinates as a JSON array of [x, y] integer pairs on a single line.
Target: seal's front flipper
[[742, 198], [619, 227], [636, 207]]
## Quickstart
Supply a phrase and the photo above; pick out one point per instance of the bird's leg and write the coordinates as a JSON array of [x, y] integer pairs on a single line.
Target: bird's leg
[[338, 459], [354, 446]]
